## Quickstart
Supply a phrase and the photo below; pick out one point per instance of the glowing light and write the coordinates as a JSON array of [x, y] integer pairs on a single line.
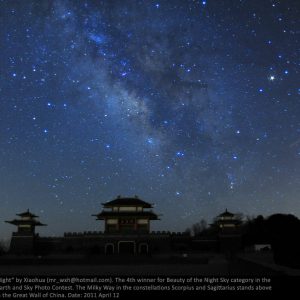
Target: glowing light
[[150, 141], [271, 77], [179, 154]]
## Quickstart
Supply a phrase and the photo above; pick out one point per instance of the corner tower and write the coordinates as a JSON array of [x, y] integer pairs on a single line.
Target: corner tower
[[22, 241]]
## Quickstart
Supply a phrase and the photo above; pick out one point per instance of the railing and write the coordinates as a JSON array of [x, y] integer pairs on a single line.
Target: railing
[[97, 233]]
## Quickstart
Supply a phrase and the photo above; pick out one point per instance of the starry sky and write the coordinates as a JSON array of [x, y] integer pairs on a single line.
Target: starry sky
[[191, 105]]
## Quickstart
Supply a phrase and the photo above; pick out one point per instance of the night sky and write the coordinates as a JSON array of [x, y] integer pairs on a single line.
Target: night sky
[[191, 105]]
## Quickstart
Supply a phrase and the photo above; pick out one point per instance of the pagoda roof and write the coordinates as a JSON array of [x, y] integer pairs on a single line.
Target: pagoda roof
[[26, 222], [105, 214], [127, 202], [27, 213], [226, 213]]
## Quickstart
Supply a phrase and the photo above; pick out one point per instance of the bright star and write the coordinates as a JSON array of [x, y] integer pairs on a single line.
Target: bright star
[[271, 77], [179, 154]]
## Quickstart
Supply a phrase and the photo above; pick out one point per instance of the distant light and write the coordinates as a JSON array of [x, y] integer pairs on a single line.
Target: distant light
[[203, 2], [235, 157], [14, 74], [179, 154], [177, 193], [107, 146], [49, 104], [65, 105], [238, 132], [272, 77], [157, 5], [34, 118], [150, 141], [45, 130], [260, 90], [269, 42], [286, 72]]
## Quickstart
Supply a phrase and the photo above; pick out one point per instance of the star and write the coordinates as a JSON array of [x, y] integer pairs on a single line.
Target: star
[[271, 77], [180, 154]]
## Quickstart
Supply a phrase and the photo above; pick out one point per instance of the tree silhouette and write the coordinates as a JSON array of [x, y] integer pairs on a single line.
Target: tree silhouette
[[198, 228], [284, 236]]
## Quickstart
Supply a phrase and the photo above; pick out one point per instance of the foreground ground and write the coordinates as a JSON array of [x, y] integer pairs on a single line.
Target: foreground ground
[[202, 264]]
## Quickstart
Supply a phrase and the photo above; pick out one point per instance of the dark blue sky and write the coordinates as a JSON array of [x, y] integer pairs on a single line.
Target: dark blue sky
[[107, 98]]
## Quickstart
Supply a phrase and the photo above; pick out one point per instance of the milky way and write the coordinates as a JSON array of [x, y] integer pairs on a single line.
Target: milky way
[[191, 105]]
